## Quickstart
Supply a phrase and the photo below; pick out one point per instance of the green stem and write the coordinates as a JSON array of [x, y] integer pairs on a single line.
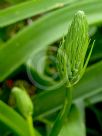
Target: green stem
[[44, 120], [30, 125], [63, 114]]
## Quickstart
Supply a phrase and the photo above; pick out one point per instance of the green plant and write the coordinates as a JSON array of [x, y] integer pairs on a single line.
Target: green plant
[[71, 62], [27, 28], [25, 106]]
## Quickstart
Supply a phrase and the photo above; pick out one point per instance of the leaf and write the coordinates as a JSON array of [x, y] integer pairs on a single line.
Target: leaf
[[13, 120], [97, 50], [37, 133], [94, 99], [28, 9], [4, 130], [74, 125], [39, 35], [15, 1], [87, 87]]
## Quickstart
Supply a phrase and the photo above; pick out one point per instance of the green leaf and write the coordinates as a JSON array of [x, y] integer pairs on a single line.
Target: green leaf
[[13, 120], [74, 125], [4, 130], [94, 99], [86, 88], [28, 9], [97, 50], [39, 35], [37, 133], [15, 1]]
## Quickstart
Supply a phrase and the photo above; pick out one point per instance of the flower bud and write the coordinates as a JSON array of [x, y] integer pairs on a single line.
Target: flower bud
[[71, 54], [23, 101]]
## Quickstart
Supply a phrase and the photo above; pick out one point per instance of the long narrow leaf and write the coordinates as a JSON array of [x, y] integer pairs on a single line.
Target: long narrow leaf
[[27, 9], [13, 120], [42, 33]]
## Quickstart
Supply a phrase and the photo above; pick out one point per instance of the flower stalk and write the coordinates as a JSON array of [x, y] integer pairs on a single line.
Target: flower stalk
[[72, 62], [25, 106]]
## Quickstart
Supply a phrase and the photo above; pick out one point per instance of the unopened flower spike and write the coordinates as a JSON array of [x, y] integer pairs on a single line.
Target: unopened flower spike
[[71, 54], [25, 106], [23, 101]]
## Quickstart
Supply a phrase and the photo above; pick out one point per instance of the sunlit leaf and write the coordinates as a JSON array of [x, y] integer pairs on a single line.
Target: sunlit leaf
[[74, 125]]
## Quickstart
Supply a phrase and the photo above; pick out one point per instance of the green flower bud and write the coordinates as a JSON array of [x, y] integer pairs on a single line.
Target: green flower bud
[[72, 52], [23, 101]]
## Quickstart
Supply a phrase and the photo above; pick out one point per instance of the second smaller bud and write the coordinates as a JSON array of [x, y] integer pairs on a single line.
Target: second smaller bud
[[23, 101]]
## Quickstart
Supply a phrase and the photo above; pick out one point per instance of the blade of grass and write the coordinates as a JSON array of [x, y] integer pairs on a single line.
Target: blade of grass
[[94, 99], [28, 9], [39, 35], [13, 120]]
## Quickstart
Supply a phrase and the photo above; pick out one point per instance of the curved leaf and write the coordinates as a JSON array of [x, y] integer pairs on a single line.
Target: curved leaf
[[13, 120], [28, 9], [39, 35], [74, 125]]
